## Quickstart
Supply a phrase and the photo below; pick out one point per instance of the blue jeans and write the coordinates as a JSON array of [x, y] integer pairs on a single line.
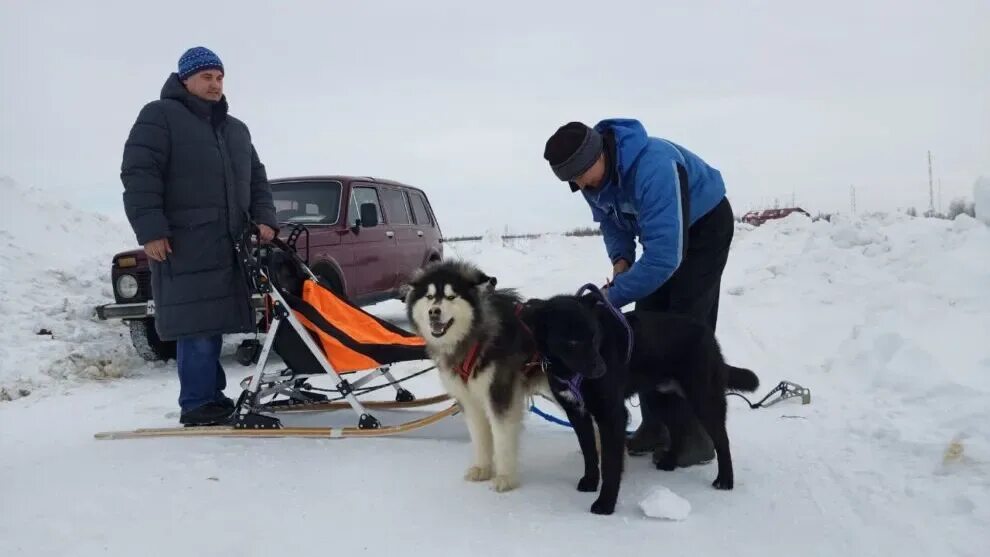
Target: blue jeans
[[201, 377]]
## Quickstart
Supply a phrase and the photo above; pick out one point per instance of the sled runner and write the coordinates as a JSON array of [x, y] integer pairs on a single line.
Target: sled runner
[[317, 334]]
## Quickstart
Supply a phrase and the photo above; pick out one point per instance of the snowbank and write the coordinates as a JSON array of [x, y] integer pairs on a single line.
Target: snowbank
[[981, 197], [55, 268]]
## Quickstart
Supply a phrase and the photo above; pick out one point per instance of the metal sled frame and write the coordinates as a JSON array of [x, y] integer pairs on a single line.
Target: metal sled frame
[[248, 417]]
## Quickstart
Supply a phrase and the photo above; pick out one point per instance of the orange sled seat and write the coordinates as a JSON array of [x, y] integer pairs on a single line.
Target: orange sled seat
[[350, 338]]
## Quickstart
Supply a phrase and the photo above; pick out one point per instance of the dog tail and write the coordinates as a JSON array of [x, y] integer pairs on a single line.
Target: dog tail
[[742, 379]]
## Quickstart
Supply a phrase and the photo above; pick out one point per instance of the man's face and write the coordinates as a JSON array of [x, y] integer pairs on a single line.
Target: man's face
[[207, 85], [592, 178]]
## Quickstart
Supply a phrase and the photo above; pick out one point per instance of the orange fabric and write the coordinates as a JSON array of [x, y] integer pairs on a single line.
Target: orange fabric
[[343, 359], [360, 327]]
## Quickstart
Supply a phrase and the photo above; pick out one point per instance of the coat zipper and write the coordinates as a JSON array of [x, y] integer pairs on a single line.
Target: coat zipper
[[227, 177]]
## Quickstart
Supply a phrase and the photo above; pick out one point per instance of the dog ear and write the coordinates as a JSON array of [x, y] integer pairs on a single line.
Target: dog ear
[[533, 316], [486, 282], [404, 291]]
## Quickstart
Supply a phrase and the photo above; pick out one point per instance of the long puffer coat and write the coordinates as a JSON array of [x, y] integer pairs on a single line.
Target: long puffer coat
[[192, 175]]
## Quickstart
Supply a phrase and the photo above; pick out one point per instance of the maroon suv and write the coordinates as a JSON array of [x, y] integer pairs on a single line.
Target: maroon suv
[[366, 236]]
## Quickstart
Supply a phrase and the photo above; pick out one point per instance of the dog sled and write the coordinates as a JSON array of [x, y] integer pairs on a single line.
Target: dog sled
[[317, 334]]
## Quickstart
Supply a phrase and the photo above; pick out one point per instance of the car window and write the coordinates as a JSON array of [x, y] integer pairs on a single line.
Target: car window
[[307, 202], [359, 195], [420, 212], [396, 206]]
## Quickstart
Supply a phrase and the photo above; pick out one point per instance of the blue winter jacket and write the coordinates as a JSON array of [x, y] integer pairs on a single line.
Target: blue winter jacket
[[645, 197]]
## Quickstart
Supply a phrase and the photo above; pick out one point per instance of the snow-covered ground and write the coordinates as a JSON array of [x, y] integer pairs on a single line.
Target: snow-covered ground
[[885, 318]]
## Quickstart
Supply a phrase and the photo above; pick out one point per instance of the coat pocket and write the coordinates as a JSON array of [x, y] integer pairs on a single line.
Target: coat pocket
[[199, 241]]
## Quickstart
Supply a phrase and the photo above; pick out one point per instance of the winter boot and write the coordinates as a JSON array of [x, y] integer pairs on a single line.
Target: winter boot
[[225, 400], [211, 413], [697, 449], [648, 439]]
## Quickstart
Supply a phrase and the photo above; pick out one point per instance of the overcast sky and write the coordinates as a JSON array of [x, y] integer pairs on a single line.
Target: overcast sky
[[784, 97]]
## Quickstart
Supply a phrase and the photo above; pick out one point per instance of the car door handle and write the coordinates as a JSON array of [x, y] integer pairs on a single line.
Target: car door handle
[[390, 234]]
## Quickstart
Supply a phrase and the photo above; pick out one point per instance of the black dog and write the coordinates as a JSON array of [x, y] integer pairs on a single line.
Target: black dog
[[587, 347]]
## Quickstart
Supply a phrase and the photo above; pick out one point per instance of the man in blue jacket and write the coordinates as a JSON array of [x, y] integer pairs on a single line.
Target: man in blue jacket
[[671, 200]]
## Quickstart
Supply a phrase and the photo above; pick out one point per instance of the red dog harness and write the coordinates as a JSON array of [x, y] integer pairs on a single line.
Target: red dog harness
[[466, 368]]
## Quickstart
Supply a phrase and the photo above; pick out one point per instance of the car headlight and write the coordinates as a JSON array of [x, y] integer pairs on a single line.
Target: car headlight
[[127, 286]]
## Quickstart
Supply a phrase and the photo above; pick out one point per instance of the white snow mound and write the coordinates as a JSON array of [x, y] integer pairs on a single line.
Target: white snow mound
[[54, 270], [981, 199], [665, 504]]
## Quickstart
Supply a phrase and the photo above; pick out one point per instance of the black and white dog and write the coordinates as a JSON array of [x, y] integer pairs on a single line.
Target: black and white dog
[[486, 358], [593, 369]]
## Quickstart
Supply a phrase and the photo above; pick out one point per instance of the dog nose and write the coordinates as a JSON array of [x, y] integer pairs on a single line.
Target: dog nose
[[435, 312]]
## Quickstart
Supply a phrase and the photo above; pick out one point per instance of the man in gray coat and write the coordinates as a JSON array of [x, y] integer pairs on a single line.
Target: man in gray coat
[[192, 180]]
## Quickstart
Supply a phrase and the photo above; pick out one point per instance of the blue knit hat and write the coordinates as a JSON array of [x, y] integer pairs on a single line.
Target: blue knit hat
[[197, 59]]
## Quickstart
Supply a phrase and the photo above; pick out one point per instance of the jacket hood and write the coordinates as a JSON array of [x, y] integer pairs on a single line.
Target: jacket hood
[[175, 90], [630, 140]]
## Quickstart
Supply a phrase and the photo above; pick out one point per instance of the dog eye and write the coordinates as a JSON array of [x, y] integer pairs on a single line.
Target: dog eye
[[451, 297], [429, 296]]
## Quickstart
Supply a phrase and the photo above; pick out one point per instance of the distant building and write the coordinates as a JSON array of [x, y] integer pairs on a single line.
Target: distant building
[[756, 218]]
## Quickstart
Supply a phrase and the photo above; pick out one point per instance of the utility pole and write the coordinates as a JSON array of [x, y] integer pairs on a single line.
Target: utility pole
[[931, 187], [852, 198], [939, 195]]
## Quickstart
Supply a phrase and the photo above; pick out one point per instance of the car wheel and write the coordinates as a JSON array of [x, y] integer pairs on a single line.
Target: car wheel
[[331, 279], [145, 339]]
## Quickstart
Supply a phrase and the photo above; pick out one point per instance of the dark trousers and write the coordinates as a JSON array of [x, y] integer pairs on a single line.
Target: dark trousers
[[201, 377], [694, 288]]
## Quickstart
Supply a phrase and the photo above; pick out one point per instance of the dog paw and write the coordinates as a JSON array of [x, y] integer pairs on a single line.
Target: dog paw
[[478, 474], [602, 507], [588, 483], [667, 463], [721, 483], [506, 483]]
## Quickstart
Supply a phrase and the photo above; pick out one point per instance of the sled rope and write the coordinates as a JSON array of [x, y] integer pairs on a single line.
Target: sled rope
[[787, 389]]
